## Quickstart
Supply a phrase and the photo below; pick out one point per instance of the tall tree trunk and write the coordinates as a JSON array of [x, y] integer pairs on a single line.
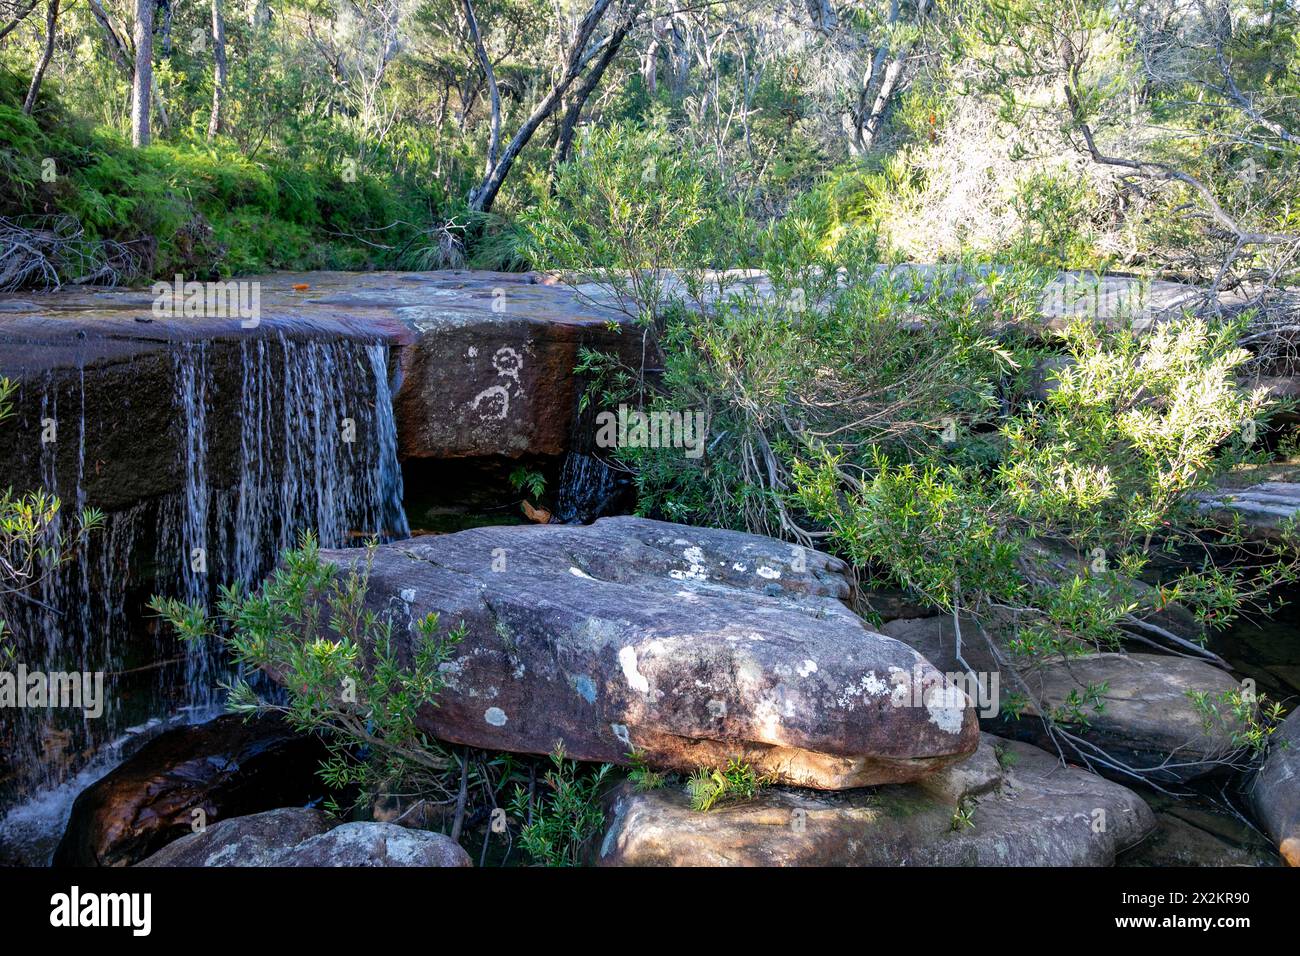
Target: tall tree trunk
[[867, 123], [650, 67], [218, 70], [142, 81], [485, 63], [681, 59], [51, 23]]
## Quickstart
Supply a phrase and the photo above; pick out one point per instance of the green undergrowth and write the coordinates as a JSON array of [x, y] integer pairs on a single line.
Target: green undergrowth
[[209, 211]]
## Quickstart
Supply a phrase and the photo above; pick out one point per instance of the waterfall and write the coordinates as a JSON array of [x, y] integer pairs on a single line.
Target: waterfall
[[389, 490], [317, 452], [273, 436], [589, 487], [189, 362]]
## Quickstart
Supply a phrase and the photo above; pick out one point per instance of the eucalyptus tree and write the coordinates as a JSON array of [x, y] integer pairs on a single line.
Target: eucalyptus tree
[[142, 78]]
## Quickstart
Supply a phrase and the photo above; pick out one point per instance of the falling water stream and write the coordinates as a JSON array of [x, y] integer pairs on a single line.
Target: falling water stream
[[317, 451]]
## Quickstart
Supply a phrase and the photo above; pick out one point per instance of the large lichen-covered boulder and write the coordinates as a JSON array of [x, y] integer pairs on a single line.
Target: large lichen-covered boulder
[[306, 837], [691, 645], [1275, 791], [1018, 807]]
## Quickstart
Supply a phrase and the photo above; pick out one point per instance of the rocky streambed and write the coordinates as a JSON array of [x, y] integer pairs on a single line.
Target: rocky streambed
[[690, 646], [377, 406]]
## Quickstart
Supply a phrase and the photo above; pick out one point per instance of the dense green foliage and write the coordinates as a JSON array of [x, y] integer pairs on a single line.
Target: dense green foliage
[[352, 136], [197, 210], [568, 815]]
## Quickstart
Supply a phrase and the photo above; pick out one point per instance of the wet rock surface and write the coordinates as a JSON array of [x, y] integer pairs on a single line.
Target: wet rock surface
[[304, 837], [484, 363], [692, 645], [1186, 835], [205, 773], [1020, 807]]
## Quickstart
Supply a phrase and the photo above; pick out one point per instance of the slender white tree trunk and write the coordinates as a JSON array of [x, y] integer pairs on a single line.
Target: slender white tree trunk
[[215, 127], [47, 53], [142, 82]]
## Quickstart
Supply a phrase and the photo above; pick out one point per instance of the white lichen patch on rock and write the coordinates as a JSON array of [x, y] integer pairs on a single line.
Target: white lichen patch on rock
[[635, 679], [450, 671], [771, 574], [495, 716], [946, 704], [869, 686], [698, 570]]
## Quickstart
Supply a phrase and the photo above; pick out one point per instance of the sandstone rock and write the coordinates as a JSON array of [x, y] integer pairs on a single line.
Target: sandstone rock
[[1149, 720], [375, 844], [1118, 300], [302, 837], [936, 640], [1027, 810], [484, 360], [1264, 510], [253, 840], [1178, 842], [227, 767], [490, 368], [693, 645], [1275, 791]]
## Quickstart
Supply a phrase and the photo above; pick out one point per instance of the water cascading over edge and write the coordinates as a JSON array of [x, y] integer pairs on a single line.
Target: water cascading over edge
[[273, 436]]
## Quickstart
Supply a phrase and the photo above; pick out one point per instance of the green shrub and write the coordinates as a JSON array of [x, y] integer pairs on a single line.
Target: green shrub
[[567, 816], [710, 786], [627, 209], [1087, 490]]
